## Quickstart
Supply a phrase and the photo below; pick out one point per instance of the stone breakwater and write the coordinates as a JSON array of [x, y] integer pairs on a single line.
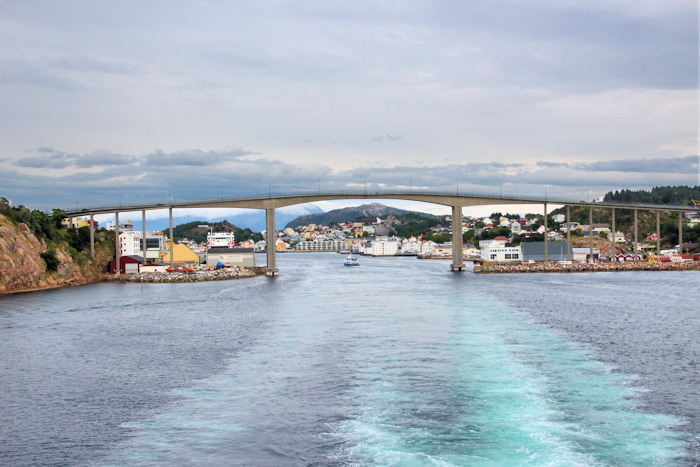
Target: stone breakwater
[[198, 276], [585, 267]]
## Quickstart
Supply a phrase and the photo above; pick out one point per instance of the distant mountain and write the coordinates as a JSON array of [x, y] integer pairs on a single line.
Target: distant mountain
[[340, 216], [253, 219]]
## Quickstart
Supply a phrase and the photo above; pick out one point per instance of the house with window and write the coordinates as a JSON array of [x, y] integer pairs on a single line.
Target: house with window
[[500, 250]]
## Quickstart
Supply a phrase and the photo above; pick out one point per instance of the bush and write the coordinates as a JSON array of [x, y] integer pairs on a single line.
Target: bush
[[49, 257]]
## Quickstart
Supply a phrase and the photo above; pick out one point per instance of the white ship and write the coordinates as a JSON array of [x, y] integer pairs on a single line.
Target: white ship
[[220, 240]]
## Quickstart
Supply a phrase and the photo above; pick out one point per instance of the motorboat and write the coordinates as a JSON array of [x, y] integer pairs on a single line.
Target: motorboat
[[351, 261]]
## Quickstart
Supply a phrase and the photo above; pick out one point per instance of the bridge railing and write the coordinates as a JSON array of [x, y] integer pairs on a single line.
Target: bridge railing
[[361, 194]]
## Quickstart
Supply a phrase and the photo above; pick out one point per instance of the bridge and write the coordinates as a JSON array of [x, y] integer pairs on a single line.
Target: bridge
[[457, 201]]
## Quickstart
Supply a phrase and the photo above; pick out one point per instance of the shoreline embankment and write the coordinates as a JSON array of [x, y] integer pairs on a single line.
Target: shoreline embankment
[[197, 276], [506, 268]]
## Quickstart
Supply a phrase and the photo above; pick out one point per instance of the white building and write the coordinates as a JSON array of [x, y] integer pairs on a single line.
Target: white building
[[565, 227], [410, 247], [130, 244], [498, 250], [385, 248], [427, 248], [320, 245], [123, 226]]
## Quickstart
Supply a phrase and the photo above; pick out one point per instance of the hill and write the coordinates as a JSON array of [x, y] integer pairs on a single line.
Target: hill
[[197, 231], [35, 253], [351, 214], [678, 195]]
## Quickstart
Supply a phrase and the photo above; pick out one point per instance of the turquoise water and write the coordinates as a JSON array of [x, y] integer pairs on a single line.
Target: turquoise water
[[397, 362]]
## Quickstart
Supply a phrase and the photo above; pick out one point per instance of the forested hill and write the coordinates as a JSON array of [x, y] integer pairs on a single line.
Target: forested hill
[[675, 195], [193, 231], [351, 214]]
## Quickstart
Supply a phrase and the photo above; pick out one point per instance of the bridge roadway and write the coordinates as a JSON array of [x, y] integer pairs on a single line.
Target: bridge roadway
[[455, 200]]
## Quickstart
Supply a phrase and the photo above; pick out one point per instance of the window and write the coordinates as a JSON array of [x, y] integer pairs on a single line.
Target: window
[[153, 243]]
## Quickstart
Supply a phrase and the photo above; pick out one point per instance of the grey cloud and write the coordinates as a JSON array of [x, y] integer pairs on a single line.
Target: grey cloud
[[552, 164], [680, 165], [46, 159], [193, 157], [95, 159], [240, 176], [50, 158]]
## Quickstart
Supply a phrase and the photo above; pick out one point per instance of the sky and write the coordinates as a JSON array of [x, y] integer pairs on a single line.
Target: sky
[[104, 102]]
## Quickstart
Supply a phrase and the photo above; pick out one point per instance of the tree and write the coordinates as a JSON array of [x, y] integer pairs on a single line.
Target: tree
[[49, 257]]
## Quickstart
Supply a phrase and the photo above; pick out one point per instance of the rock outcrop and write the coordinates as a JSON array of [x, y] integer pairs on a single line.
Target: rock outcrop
[[23, 269]]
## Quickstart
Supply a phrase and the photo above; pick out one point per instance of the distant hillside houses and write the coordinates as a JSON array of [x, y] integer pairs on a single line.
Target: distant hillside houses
[[495, 238]]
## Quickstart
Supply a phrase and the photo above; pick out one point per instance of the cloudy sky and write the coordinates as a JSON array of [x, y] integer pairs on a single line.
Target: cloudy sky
[[147, 100]]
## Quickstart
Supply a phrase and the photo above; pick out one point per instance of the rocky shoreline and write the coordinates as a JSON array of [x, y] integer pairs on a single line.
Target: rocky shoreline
[[197, 276], [585, 267]]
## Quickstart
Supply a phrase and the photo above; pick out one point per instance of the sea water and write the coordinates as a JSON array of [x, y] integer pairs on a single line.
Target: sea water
[[395, 362]]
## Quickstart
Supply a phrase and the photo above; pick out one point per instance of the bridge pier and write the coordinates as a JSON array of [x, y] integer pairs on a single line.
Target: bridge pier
[[172, 242], [568, 233], [457, 240], [680, 233], [92, 236], [143, 238], [658, 233], [590, 235], [117, 247], [546, 236], [271, 243], [613, 242], [636, 235]]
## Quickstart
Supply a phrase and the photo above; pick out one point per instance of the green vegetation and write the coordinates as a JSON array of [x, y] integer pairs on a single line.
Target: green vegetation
[[193, 231], [47, 228], [49, 257], [624, 218], [42, 225], [674, 195], [416, 227]]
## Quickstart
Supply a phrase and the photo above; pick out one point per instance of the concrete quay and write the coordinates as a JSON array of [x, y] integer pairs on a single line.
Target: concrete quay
[[505, 268], [198, 276]]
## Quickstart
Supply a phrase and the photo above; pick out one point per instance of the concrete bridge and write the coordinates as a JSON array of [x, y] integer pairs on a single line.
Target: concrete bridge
[[455, 200]]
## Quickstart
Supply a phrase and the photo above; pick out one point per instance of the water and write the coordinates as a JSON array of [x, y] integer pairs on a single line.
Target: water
[[397, 362]]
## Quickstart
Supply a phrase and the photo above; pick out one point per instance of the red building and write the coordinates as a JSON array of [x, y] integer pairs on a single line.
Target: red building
[[127, 264]]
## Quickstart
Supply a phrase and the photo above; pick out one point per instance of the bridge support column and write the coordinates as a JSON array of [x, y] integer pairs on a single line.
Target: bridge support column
[[143, 238], [271, 243], [636, 235], [613, 243], [612, 236], [92, 236], [658, 233], [172, 241], [546, 237], [569, 250], [590, 235], [457, 240], [117, 247], [680, 233]]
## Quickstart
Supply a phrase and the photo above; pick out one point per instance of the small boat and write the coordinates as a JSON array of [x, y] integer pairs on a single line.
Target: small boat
[[351, 261]]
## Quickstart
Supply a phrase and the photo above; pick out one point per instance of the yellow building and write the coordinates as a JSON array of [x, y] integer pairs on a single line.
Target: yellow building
[[75, 222], [183, 255]]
